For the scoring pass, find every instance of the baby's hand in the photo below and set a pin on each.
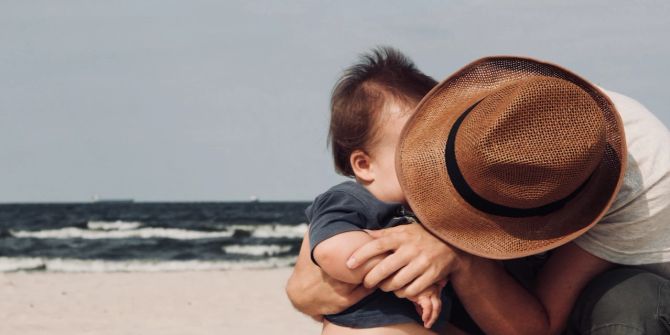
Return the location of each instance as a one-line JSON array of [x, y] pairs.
[[428, 303]]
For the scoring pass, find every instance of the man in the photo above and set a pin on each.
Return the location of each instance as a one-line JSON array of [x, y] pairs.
[[624, 223]]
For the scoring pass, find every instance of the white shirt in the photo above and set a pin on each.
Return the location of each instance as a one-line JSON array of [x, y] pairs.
[[636, 229]]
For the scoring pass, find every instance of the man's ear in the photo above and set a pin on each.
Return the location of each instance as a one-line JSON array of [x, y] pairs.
[[360, 163]]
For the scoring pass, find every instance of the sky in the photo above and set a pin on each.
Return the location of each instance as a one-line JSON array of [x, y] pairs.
[[199, 100]]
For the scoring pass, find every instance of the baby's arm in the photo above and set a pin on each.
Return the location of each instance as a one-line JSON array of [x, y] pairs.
[[332, 255]]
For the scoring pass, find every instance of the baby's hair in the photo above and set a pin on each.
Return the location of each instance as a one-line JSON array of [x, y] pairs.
[[384, 74]]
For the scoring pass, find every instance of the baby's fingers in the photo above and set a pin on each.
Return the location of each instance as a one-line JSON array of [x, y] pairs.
[[435, 310], [426, 310], [426, 315]]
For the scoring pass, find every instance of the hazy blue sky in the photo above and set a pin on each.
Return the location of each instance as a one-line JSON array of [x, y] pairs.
[[221, 100]]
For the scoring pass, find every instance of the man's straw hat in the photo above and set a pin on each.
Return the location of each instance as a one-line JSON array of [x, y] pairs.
[[510, 157]]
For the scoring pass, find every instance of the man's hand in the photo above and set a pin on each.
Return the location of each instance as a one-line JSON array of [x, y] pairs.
[[313, 292], [418, 259]]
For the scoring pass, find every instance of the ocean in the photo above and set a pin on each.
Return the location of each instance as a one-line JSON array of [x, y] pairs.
[[137, 236]]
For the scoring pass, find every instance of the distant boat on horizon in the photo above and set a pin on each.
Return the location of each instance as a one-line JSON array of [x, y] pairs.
[[99, 200]]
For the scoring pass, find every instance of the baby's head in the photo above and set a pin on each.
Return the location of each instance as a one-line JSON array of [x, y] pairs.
[[370, 104]]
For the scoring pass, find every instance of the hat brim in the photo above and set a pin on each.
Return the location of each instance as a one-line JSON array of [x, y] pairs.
[[420, 165]]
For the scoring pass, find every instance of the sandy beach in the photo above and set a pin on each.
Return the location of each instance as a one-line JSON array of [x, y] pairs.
[[223, 302]]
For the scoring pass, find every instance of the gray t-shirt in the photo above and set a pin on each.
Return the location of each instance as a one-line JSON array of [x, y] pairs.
[[636, 229], [350, 207]]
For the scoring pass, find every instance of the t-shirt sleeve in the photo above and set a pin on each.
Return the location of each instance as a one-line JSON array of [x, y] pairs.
[[334, 213], [636, 229]]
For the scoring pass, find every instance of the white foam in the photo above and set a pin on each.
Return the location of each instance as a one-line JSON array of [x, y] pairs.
[[71, 232], [273, 230], [113, 225], [121, 229], [256, 250], [10, 264]]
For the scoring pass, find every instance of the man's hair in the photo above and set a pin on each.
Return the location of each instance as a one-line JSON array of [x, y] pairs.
[[380, 76]]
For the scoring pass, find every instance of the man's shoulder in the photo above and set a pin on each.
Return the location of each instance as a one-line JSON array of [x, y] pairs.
[[637, 119], [647, 139]]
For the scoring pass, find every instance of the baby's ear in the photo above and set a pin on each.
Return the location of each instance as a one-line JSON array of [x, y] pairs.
[[360, 163]]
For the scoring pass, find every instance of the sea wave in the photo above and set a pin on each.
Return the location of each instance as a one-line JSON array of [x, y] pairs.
[[256, 250], [11, 264], [273, 230], [72, 232], [113, 225], [124, 230]]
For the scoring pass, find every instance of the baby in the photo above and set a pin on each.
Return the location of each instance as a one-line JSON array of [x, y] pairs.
[[369, 107]]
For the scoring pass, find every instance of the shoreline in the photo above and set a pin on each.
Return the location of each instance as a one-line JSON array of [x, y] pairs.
[[208, 302]]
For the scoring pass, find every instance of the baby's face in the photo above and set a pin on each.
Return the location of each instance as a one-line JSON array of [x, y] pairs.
[[382, 153]]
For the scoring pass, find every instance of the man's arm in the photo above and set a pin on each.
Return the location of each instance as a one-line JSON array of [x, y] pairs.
[[314, 293], [495, 300], [500, 305]]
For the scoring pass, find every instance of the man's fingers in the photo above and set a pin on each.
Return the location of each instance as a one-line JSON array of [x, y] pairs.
[[369, 250], [384, 269], [385, 240], [416, 287], [402, 277], [377, 233]]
